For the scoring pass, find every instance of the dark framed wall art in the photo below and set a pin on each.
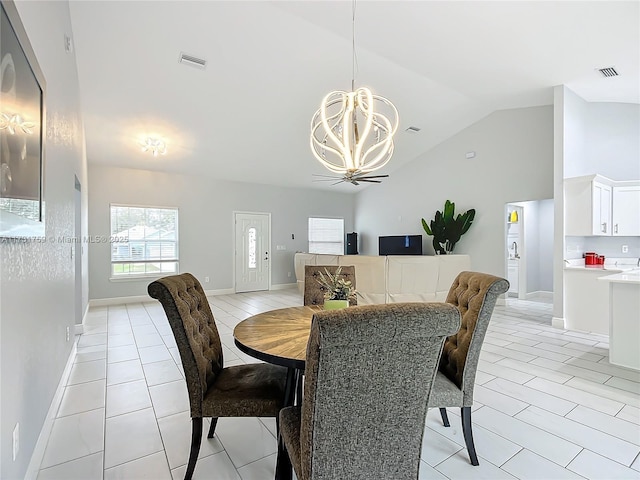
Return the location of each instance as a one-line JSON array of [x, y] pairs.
[[22, 133]]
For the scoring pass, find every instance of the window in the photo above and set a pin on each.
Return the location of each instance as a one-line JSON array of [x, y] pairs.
[[326, 235], [144, 241]]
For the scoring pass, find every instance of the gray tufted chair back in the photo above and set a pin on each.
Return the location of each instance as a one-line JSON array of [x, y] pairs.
[[195, 332], [368, 376]]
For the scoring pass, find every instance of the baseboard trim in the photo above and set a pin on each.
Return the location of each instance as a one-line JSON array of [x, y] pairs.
[[284, 286], [45, 431], [558, 322], [540, 294], [102, 302]]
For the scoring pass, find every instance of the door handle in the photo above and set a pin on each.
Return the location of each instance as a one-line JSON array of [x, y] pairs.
[[615, 228], [604, 227]]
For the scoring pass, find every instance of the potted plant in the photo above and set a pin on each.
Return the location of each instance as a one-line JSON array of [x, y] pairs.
[[338, 290], [447, 229]]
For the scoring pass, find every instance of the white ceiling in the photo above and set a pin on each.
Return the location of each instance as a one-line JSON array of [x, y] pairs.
[[246, 117]]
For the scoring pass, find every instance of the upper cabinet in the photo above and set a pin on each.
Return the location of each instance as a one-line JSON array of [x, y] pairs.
[[626, 211], [596, 205]]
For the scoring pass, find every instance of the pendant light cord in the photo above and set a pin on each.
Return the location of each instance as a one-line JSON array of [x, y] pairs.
[[353, 45]]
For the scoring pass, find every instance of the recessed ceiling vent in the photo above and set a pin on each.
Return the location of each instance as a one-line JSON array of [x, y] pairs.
[[608, 72], [192, 61], [412, 130]]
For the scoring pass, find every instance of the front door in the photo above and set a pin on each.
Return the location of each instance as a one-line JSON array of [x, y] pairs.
[[252, 251]]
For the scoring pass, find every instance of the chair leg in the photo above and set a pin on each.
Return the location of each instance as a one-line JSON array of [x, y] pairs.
[[468, 435], [196, 438], [445, 418], [212, 428], [284, 469]]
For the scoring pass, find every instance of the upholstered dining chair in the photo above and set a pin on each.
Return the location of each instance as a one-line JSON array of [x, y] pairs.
[[368, 374], [475, 295], [253, 390], [314, 292]]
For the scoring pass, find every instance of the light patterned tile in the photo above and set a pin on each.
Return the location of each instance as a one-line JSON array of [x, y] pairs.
[[131, 436], [162, 372], [535, 370], [437, 448], [265, 468], [498, 370], [73, 437], [596, 467], [489, 445], [529, 394], [569, 369], [152, 467], [526, 465], [528, 436], [84, 468], [630, 414], [606, 368], [234, 433], [623, 384], [220, 463], [458, 467], [611, 396], [498, 400], [582, 435], [538, 352], [606, 423], [176, 436], [508, 352], [564, 350]]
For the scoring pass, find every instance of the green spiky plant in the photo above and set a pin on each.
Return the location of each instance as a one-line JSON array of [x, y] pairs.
[[447, 229]]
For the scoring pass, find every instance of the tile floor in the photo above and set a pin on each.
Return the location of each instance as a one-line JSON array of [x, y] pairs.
[[548, 405]]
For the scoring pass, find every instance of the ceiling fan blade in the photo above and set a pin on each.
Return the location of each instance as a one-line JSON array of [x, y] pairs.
[[327, 176], [367, 180], [376, 176]]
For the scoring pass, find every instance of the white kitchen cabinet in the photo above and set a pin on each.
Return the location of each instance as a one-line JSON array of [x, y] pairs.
[[587, 203], [626, 211]]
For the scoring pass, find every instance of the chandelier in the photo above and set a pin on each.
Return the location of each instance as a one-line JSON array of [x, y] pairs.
[[154, 145], [13, 122], [352, 132]]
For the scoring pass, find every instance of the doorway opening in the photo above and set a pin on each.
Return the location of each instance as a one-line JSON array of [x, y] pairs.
[[529, 248]]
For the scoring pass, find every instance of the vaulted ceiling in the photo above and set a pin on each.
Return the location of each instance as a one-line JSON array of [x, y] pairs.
[[246, 116]]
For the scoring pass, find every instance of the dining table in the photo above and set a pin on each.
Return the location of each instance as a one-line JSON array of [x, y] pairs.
[[279, 337]]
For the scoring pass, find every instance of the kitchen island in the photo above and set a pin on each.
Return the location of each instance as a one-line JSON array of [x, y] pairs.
[[624, 318]]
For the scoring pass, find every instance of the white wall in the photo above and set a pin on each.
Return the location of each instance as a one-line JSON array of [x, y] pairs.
[[206, 231], [37, 279], [539, 237], [545, 245], [514, 161]]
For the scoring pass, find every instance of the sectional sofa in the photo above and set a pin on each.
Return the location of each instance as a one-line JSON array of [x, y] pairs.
[[393, 278]]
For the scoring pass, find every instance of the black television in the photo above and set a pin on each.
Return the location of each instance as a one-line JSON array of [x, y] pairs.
[[400, 245]]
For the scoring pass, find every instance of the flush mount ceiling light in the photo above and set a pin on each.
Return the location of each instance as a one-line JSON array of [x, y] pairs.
[[352, 132], [154, 145]]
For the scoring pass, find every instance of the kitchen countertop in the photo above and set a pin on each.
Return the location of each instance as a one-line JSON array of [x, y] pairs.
[[614, 265], [631, 276]]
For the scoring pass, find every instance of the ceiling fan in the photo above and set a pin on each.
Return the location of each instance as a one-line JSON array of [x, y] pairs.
[[351, 177]]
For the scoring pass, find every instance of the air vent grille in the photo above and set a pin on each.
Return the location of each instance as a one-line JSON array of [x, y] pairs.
[[192, 61], [608, 72]]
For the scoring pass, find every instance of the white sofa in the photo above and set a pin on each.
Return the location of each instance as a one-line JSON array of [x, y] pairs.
[[393, 278]]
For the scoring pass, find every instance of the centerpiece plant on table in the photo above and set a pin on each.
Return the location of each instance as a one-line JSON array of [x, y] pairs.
[[338, 291]]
